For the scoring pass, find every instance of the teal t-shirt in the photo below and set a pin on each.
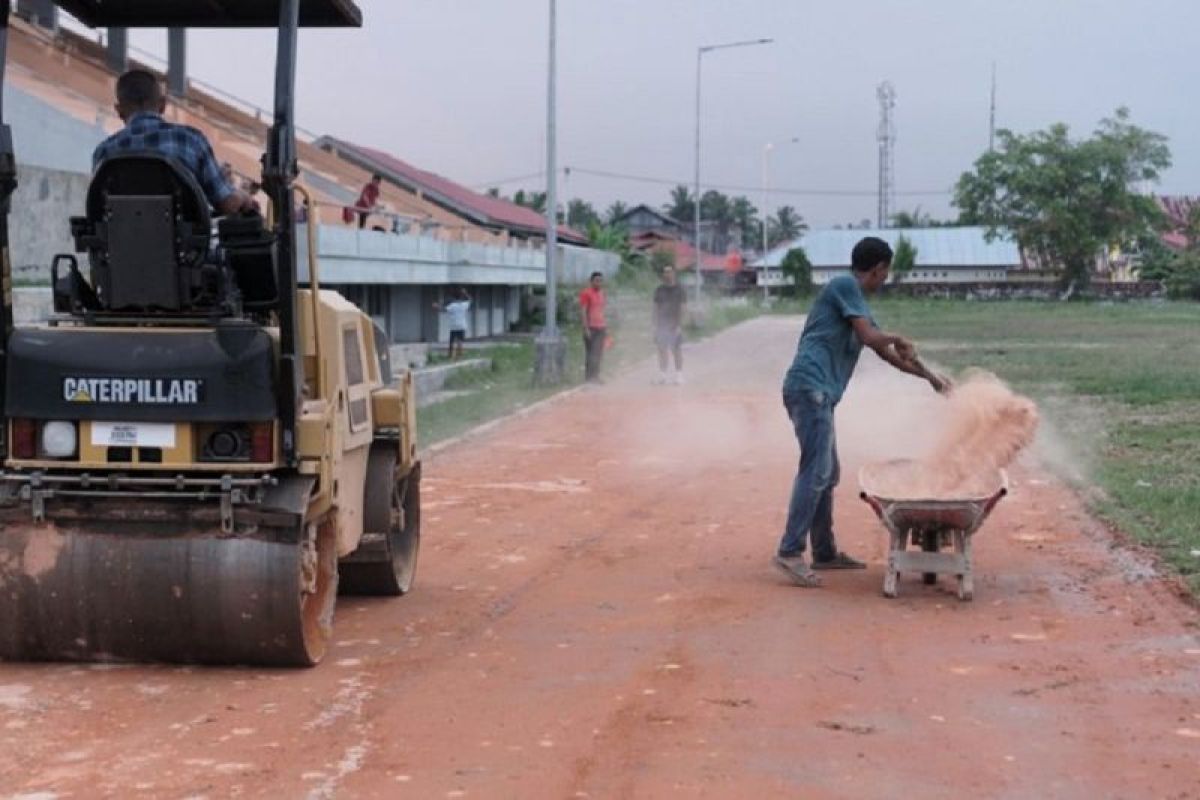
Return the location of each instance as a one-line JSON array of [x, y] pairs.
[[829, 348]]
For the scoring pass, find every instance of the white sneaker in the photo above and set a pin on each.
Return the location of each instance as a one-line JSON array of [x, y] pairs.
[[661, 379], [677, 379]]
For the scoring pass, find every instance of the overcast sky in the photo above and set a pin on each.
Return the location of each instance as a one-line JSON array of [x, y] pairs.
[[458, 87]]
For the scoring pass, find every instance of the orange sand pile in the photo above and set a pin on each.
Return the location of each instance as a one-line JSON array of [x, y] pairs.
[[985, 426]]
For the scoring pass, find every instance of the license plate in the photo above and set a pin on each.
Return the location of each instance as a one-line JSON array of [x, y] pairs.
[[133, 434]]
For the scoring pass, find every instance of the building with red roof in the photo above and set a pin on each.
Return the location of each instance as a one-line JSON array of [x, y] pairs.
[[480, 209]]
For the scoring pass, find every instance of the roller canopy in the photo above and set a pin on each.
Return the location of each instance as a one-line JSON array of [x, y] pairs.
[[208, 13]]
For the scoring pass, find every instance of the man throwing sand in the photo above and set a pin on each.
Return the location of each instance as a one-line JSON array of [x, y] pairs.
[[839, 324]]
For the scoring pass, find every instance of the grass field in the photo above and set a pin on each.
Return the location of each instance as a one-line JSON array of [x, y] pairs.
[[1120, 384]]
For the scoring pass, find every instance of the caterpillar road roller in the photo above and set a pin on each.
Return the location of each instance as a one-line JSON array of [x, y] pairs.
[[201, 446]]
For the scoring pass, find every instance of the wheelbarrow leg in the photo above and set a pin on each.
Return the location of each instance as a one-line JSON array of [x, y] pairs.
[[966, 578], [897, 540]]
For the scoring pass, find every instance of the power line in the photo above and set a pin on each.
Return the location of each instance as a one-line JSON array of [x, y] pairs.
[[515, 179], [732, 188]]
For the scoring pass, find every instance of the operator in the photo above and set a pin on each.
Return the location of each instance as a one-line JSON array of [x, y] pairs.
[[140, 105], [839, 324]]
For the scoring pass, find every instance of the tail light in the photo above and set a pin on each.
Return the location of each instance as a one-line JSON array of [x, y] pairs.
[[262, 442], [24, 438], [252, 442]]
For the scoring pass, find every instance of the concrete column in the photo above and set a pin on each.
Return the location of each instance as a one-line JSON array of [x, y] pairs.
[[40, 12], [177, 62], [118, 49]]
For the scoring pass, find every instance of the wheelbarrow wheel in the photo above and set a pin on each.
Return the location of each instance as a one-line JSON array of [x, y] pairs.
[[930, 544]]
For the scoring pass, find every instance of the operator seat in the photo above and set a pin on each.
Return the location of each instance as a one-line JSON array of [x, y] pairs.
[[148, 235]]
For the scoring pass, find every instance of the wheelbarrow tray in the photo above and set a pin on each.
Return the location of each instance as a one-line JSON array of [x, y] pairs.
[[930, 523]]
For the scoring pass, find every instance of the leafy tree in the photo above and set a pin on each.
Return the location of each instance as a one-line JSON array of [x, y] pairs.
[[493, 191], [904, 259], [581, 214], [682, 206], [615, 212], [785, 226], [798, 269], [1067, 200]]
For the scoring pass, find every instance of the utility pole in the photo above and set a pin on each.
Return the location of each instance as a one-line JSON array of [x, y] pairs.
[[700, 51], [886, 94], [550, 345]]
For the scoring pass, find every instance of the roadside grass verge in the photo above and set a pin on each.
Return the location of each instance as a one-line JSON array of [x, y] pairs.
[[1119, 382], [508, 386]]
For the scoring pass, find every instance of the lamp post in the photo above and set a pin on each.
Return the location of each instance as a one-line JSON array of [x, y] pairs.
[[767, 148], [700, 51], [550, 346]]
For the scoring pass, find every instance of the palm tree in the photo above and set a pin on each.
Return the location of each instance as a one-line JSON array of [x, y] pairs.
[[682, 206], [534, 200], [716, 208], [581, 214], [745, 219], [785, 226]]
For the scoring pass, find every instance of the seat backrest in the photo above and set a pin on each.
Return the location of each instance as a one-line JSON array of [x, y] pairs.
[[147, 233]]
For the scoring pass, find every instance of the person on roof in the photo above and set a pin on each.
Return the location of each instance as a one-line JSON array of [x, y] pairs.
[[140, 105]]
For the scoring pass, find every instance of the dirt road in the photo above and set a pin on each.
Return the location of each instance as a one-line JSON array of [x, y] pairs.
[[596, 617]]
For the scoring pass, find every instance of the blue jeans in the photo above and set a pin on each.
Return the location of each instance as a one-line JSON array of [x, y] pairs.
[[811, 506]]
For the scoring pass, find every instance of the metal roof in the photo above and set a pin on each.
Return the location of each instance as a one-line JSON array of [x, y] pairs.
[[208, 13], [936, 247]]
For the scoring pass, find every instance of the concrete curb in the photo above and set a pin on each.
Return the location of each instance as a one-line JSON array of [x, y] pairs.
[[493, 424], [532, 408]]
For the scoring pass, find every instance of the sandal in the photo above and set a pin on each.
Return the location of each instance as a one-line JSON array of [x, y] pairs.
[[799, 572]]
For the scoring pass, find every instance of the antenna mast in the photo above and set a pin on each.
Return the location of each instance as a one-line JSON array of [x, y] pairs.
[[992, 116], [886, 94]]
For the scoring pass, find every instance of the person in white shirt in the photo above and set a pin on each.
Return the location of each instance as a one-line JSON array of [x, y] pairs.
[[456, 310]]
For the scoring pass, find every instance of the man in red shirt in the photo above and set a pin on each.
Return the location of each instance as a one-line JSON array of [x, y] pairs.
[[367, 201], [595, 330]]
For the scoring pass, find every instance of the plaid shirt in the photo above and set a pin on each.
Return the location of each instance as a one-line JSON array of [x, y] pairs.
[[148, 131]]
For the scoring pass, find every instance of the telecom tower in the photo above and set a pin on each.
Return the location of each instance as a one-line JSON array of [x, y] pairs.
[[887, 156], [992, 113]]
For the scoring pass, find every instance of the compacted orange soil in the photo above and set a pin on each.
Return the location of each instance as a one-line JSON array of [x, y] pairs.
[[595, 616]]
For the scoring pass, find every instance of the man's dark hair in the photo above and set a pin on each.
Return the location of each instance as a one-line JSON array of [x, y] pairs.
[[138, 88], [868, 253], [595, 275], [377, 177]]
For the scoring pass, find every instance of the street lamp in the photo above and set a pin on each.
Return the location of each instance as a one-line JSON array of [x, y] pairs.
[[550, 346], [700, 51], [767, 148]]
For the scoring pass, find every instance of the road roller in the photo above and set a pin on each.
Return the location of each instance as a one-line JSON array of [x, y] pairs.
[[201, 446]]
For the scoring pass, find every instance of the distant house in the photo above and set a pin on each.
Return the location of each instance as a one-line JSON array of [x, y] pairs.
[[644, 219], [1178, 211], [944, 255]]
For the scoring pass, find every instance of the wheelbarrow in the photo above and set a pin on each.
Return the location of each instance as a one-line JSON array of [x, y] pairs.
[[933, 525]]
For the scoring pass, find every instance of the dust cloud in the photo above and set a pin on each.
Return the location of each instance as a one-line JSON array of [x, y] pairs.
[[982, 428]]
